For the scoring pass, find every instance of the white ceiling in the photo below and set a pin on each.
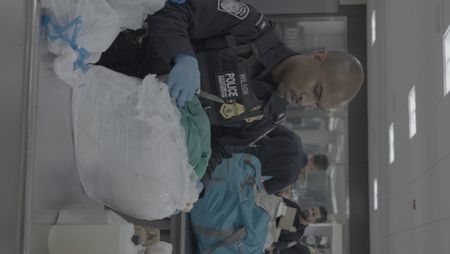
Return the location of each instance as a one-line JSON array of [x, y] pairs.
[[408, 52]]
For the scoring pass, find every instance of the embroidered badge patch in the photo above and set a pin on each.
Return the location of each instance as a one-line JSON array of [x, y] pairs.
[[238, 9]]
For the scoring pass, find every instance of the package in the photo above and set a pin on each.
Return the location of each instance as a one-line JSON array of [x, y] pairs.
[[94, 24], [78, 31], [130, 148]]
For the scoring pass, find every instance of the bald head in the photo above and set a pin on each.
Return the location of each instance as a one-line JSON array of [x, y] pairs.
[[328, 79], [346, 76]]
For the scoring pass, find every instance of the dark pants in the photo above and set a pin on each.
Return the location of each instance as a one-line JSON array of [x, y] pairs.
[[132, 54]]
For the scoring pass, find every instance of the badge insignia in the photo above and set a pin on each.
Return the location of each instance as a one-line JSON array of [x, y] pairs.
[[231, 110], [238, 9]]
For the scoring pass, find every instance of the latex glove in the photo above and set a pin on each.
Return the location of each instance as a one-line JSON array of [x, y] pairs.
[[184, 79], [178, 1]]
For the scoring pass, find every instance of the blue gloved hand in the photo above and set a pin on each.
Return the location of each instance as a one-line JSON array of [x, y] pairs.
[[184, 79], [178, 1]]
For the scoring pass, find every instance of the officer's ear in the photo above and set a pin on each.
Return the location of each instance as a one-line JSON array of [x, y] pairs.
[[320, 56]]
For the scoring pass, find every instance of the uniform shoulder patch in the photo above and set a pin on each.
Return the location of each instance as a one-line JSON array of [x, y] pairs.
[[262, 23], [236, 8]]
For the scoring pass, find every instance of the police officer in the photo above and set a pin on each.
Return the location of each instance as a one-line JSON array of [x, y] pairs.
[[282, 158], [247, 75]]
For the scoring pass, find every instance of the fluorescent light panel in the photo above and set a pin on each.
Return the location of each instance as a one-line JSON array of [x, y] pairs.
[[375, 194], [412, 112], [374, 27], [391, 143], [446, 43]]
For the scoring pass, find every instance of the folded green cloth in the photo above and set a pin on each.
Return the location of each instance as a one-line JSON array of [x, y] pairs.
[[198, 135]]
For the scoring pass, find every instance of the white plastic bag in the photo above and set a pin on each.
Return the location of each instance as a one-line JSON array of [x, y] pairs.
[[98, 25], [132, 13], [78, 31], [130, 147]]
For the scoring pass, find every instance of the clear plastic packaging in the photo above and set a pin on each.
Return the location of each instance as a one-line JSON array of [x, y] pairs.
[[130, 147]]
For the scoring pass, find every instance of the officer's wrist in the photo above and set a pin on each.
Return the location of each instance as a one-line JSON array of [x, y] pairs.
[[184, 57]]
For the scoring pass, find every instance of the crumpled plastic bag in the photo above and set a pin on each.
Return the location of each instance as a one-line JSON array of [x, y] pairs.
[[98, 23], [132, 13], [78, 31], [130, 148]]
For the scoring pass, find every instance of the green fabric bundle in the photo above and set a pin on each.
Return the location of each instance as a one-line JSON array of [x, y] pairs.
[[198, 135]]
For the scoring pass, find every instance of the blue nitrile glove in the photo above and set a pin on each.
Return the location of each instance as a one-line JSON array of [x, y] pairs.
[[184, 79], [177, 1]]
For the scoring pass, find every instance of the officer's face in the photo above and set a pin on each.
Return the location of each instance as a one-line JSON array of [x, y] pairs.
[[302, 87], [303, 82], [307, 83]]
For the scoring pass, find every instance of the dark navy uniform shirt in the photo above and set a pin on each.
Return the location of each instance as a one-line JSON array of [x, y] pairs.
[[183, 29]]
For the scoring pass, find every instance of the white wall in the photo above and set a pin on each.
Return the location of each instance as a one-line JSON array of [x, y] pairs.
[[12, 83]]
